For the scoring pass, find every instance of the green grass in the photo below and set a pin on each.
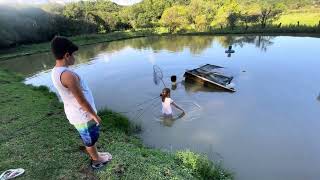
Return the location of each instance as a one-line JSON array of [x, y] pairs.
[[36, 136], [305, 18]]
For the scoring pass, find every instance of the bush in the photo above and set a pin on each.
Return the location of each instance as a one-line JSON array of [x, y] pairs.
[[202, 166]]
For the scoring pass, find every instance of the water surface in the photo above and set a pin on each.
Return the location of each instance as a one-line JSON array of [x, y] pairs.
[[268, 129]]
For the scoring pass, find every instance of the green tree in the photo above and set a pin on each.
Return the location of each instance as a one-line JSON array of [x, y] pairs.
[[201, 13], [249, 19], [131, 15], [201, 23], [224, 11], [270, 11], [175, 17], [75, 10], [232, 19], [249, 14]]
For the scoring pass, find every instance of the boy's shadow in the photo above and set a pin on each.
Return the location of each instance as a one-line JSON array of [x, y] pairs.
[[168, 121]]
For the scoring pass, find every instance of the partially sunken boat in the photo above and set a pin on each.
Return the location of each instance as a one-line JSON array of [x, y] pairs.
[[210, 75]]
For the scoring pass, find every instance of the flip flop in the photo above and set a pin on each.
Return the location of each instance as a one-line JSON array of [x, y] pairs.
[[106, 154], [11, 173], [97, 165]]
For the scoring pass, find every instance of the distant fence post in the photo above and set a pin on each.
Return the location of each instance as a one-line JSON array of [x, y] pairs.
[[298, 23]]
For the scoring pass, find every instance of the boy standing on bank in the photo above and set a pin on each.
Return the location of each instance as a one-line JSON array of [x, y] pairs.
[[77, 98]]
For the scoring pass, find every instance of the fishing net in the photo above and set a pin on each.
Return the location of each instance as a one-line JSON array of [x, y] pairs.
[[157, 75]]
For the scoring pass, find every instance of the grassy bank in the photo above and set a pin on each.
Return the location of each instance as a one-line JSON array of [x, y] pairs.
[[36, 136], [309, 17], [82, 40]]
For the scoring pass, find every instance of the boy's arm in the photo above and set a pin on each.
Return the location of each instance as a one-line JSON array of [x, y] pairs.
[[70, 81], [175, 105]]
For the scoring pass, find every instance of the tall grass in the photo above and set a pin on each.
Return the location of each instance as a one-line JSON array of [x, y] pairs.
[[304, 18]]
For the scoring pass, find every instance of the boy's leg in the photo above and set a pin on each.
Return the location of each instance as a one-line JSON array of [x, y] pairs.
[[89, 133], [96, 156], [93, 152]]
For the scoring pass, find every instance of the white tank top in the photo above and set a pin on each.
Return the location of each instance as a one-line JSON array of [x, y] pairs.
[[166, 106], [73, 110]]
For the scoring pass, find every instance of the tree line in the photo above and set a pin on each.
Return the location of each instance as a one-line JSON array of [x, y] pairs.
[[198, 15], [36, 24]]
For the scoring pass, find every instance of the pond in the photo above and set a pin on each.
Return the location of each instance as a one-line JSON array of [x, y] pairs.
[[267, 129]]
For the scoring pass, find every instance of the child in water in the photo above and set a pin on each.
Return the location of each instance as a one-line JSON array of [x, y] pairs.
[[167, 102]]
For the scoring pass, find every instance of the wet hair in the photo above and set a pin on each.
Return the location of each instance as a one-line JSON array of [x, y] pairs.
[[61, 45], [165, 93], [173, 78]]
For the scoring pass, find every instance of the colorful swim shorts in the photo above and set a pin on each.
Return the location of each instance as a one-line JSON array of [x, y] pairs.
[[89, 132]]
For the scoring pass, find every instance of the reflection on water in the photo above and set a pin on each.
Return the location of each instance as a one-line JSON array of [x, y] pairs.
[[192, 86], [261, 42], [268, 129], [31, 64]]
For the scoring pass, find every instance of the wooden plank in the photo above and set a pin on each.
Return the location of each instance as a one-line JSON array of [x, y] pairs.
[[207, 80]]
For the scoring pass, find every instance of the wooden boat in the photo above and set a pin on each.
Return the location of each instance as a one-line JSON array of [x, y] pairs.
[[210, 75]]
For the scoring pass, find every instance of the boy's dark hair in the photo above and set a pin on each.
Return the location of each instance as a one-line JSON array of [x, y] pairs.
[[61, 45]]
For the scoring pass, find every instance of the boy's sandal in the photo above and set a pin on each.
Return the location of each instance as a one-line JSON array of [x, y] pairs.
[[106, 154], [11, 173], [97, 165]]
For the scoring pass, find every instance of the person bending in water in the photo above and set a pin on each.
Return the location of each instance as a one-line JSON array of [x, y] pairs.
[[166, 104]]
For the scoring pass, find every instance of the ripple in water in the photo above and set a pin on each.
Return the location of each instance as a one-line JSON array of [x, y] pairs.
[[191, 108]]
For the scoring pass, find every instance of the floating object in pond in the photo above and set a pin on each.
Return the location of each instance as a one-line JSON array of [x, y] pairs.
[[230, 50], [210, 75]]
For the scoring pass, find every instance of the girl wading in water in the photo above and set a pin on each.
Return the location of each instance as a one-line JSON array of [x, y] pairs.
[[166, 105]]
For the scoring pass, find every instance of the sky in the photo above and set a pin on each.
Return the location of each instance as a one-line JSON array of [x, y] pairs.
[[121, 2]]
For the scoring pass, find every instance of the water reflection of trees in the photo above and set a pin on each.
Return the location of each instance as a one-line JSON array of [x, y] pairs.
[[155, 43], [170, 43], [261, 42], [27, 65], [196, 44]]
